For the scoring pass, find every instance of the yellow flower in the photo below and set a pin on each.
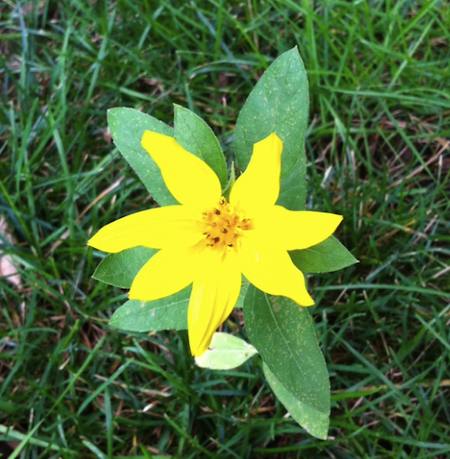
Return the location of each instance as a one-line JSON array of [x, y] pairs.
[[210, 241]]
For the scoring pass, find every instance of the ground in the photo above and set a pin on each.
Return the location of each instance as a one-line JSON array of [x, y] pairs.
[[70, 386]]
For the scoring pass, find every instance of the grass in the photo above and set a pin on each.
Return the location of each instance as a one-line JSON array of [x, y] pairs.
[[377, 144]]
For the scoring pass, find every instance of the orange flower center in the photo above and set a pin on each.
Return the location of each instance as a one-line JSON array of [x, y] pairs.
[[223, 225]]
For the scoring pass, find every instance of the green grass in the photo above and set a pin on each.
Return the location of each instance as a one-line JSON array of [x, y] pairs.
[[377, 144]]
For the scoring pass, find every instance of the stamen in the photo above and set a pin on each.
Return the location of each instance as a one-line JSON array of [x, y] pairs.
[[223, 226]]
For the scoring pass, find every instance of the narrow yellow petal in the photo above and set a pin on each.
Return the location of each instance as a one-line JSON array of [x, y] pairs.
[[188, 178], [155, 228], [272, 271], [298, 229], [166, 273], [259, 185], [215, 291]]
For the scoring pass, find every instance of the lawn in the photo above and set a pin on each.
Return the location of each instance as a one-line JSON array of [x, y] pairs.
[[377, 149]]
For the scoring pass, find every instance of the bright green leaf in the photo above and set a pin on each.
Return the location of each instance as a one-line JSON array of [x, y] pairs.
[[284, 335], [198, 138], [119, 269], [164, 314], [279, 103], [225, 352], [240, 301], [314, 421], [127, 126], [329, 255]]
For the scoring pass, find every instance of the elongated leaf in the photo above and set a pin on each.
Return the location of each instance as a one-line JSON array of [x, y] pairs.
[[198, 138], [279, 103], [165, 314], [119, 269], [283, 333], [225, 352], [329, 255], [240, 301], [127, 126], [314, 421]]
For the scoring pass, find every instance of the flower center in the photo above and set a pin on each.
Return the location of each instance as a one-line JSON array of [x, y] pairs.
[[223, 225]]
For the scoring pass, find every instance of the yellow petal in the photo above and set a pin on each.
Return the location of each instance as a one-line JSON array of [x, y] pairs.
[[188, 178], [155, 228], [298, 229], [215, 291], [166, 273], [259, 185], [272, 271]]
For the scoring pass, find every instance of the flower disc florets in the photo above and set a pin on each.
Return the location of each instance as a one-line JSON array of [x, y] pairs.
[[223, 225]]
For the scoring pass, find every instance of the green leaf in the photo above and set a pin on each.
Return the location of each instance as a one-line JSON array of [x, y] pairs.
[[329, 255], [119, 269], [241, 298], [164, 314], [279, 103], [127, 126], [225, 352], [314, 421], [283, 333], [198, 138]]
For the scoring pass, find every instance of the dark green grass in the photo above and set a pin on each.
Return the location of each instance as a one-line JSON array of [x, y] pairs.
[[379, 78]]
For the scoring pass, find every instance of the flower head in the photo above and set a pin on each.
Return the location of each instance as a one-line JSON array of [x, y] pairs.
[[210, 241]]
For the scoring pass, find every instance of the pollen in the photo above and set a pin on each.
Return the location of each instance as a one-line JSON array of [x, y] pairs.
[[223, 226]]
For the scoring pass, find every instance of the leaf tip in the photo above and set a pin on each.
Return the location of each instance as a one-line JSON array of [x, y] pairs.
[[177, 108]]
